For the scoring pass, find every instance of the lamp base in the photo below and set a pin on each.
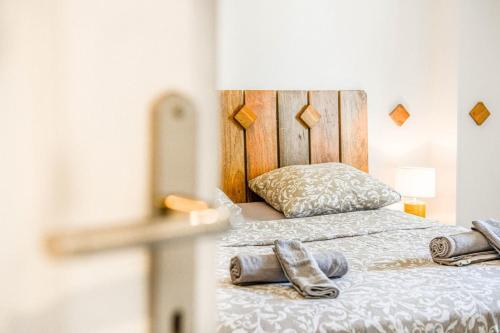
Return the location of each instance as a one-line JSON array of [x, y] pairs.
[[415, 207]]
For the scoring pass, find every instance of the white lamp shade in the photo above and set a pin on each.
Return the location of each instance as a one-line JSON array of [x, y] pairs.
[[416, 182]]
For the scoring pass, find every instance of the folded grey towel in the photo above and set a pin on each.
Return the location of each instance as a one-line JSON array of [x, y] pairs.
[[458, 245], [303, 271], [255, 268], [468, 259], [491, 230]]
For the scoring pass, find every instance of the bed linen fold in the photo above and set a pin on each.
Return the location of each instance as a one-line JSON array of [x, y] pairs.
[[321, 228]]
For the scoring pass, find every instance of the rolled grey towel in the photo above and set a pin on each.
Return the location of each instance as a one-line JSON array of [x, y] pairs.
[[303, 271], [459, 244], [490, 229], [265, 268]]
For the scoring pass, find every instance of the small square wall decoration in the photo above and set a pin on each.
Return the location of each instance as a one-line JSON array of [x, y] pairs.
[[399, 115], [480, 113]]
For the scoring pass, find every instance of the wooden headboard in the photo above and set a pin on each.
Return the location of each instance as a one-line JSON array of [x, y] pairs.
[[263, 130]]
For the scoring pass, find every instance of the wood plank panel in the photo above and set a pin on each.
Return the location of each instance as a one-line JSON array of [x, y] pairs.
[[233, 177], [354, 129], [324, 136], [293, 135], [262, 137]]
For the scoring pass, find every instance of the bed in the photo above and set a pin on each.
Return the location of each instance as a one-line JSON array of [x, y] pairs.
[[392, 284]]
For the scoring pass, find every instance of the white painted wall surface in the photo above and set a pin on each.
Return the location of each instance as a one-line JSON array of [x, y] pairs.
[[479, 80], [77, 80], [398, 51]]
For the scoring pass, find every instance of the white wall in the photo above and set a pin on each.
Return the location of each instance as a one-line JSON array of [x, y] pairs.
[[398, 51], [77, 80], [479, 80]]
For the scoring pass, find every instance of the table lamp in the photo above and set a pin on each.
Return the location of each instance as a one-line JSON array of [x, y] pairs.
[[414, 183]]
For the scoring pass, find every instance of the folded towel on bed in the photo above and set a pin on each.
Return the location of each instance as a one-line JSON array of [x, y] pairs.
[[459, 244], [255, 268], [303, 271], [468, 259], [490, 229], [467, 247]]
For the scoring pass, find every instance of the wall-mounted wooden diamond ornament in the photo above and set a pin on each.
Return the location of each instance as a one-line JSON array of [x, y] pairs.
[[399, 115], [245, 117], [480, 113], [310, 116]]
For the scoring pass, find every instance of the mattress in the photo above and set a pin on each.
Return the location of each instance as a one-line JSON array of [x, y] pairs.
[[392, 285]]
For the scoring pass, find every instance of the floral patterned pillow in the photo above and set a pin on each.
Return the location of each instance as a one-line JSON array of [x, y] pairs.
[[318, 189]]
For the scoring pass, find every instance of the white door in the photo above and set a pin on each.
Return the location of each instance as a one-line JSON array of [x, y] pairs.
[[77, 83]]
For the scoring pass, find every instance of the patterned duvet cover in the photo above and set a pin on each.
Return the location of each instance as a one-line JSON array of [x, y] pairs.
[[392, 284]]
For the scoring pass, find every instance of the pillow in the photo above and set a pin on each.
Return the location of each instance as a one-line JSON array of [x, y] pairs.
[[317, 189], [259, 211], [222, 200]]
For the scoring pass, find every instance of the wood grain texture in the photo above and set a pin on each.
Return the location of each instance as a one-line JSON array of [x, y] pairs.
[[310, 116], [277, 137], [354, 129], [262, 137], [324, 136], [233, 177], [245, 117], [293, 136]]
